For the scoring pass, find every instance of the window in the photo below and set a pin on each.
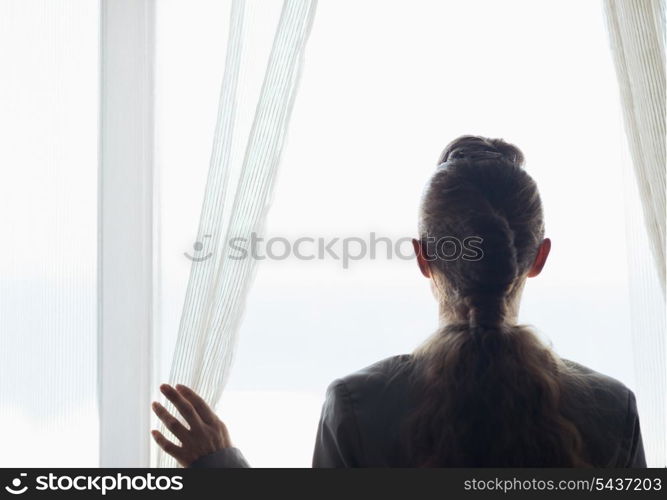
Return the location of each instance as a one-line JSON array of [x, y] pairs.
[[48, 216], [386, 85]]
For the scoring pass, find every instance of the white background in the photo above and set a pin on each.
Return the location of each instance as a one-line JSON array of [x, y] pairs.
[[48, 232], [386, 85]]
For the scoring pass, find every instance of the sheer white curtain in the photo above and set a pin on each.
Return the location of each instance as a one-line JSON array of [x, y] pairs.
[[235, 206], [637, 34]]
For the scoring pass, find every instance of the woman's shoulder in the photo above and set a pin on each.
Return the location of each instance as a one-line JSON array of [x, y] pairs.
[[599, 395], [605, 411], [600, 384], [364, 410], [395, 371], [375, 385], [381, 373]]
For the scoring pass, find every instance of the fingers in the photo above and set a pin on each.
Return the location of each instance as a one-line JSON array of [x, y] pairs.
[[207, 433], [201, 407], [182, 405], [171, 422], [167, 446]]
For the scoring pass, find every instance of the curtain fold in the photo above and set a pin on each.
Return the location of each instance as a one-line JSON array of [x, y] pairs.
[[637, 36], [218, 286]]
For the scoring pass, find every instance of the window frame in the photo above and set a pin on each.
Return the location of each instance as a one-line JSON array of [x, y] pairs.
[[126, 263]]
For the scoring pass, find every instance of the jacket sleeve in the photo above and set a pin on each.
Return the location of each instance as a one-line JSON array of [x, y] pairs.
[[633, 437], [227, 458], [338, 443]]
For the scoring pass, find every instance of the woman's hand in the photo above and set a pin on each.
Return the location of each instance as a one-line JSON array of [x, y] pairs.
[[207, 433]]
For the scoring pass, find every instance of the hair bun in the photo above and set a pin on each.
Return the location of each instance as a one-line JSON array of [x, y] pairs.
[[478, 148]]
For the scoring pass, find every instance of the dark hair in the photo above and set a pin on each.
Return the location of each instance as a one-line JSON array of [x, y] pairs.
[[489, 392]]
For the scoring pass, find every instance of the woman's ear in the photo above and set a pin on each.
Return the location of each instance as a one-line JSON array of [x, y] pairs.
[[540, 258], [421, 259]]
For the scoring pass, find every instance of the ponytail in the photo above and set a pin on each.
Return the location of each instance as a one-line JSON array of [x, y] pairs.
[[491, 397], [489, 393]]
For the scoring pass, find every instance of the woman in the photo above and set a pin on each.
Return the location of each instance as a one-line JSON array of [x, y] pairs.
[[482, 391]]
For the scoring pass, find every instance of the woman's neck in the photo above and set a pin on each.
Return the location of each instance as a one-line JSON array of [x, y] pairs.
[[448, 315]]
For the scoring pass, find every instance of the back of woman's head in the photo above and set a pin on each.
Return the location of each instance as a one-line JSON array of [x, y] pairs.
[[489, 390], [480, 193]]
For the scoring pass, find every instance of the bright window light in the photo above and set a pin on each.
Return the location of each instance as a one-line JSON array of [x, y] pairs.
[[48, 216], [386, 85]]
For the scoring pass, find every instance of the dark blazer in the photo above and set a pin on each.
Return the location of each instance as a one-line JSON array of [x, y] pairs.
[[363, 413]]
